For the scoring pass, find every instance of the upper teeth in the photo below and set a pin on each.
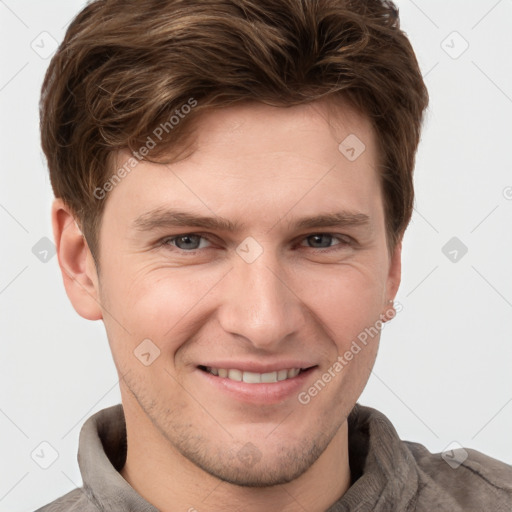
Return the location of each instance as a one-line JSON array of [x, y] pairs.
[[252, 377]]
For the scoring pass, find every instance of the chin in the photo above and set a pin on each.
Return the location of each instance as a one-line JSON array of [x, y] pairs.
[[269, 471], [264, 464]]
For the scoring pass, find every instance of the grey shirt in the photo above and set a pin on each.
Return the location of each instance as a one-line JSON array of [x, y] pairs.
[[388, 474]]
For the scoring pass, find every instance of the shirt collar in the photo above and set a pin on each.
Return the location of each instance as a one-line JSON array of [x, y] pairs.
[[384, 472], [382, 468], [101, 455]]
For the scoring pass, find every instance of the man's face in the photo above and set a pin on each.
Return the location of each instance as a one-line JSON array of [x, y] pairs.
[[287, 266]]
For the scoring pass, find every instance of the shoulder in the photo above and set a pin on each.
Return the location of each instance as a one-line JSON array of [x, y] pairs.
[[475, 481], [73, 501]]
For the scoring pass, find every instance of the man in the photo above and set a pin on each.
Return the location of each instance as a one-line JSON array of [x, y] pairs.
[[233, 180]]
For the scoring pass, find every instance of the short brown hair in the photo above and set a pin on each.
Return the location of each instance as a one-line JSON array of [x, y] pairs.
[[127, 66]]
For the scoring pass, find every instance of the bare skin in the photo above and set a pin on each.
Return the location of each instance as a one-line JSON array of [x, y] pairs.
[[205, 442]]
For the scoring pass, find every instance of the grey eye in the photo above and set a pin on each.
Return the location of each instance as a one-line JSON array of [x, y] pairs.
[[321, 240], [187, 242]]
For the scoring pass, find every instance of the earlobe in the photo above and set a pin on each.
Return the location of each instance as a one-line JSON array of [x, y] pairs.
[[393, 282], [76, 263]]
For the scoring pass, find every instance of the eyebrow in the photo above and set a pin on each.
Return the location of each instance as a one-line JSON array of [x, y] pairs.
[[341, 219], [170, 217]]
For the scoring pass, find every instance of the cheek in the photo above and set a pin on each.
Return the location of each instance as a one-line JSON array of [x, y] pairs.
[[346, 301], [156, 303]]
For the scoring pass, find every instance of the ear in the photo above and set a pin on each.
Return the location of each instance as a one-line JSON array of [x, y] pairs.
[[76, 263], [393, 281]]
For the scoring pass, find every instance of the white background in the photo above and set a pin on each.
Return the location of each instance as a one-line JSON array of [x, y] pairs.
[[444, 368]]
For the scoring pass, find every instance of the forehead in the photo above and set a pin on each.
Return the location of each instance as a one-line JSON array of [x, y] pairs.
[[246, 129], [259, 161]]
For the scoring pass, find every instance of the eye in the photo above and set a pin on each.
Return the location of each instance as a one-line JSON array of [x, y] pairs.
[[187, 242], [325, 240]]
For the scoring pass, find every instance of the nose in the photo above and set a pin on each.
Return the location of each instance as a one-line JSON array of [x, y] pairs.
[[260, 305]]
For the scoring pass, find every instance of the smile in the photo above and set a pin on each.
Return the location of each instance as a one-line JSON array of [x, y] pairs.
[[253, 377]]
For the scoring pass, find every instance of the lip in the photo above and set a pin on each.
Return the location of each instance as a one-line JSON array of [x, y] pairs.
[[251, 366], [262, 393]]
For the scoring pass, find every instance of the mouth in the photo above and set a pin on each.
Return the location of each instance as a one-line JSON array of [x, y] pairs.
[[254, 377], [255, 383]]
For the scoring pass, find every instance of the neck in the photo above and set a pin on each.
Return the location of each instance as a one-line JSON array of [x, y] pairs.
[[171, 483]]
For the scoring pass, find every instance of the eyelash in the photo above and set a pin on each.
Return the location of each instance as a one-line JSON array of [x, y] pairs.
[[344, 241]]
